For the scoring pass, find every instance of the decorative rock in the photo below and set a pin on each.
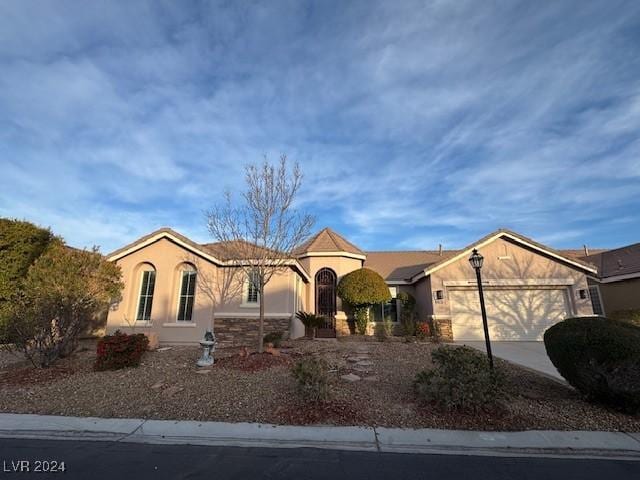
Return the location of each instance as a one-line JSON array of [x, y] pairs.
[[373, 378], [203, 372], [171, 391], [361, 369], [164, 349], [350, 377], [157, 385]]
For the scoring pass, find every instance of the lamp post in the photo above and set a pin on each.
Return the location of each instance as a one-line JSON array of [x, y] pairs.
[[476, 262]]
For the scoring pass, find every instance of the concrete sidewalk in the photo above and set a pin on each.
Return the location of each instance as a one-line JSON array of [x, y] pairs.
[[537, 443]]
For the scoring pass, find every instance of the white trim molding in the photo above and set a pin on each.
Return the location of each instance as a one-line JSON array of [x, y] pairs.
[[512, 282], [180, 325], [251, 315], [619, 278], [357, 256]]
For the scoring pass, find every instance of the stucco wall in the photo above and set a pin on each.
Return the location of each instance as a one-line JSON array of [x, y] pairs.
[[624, 295], [340, 265], [506, 261], [219, 287]]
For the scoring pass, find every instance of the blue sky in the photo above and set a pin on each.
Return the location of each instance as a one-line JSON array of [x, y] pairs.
[[415, 123]]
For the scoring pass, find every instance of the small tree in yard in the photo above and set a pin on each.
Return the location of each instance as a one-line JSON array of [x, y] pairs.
[[261, 232], [59, 298], [361, 289]]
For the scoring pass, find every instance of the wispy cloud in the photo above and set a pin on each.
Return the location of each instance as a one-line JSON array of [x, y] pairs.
[[416, 123]]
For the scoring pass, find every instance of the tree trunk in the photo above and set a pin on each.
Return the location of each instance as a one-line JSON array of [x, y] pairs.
[[261, 320]]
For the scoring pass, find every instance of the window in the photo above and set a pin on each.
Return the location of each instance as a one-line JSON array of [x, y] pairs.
[[187, 294], [387, 311], [252, 287], [594, 293], [146, 296]]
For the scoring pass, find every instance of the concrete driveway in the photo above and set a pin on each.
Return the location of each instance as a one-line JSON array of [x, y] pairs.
[[531, 355]]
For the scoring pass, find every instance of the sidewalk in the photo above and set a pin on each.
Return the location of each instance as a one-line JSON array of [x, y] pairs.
[[529, 443]]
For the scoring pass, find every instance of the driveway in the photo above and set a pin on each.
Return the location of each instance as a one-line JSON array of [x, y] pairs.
[[531, 355]]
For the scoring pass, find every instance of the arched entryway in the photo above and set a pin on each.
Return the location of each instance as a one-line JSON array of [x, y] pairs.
[[326, 281]]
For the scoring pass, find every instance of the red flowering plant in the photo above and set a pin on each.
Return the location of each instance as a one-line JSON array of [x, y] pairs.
[[120, 351], [423, 330]]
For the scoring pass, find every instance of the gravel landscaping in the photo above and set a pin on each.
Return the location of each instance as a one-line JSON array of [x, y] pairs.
[[370, 385]]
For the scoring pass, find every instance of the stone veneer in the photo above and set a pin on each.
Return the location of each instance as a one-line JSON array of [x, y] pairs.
[[443, 326], [241, 332]]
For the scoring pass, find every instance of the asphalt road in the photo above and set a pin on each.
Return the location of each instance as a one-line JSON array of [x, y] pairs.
[[120, 461]]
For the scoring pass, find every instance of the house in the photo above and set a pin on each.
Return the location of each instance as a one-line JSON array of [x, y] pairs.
[[617, 285], [178, 288]]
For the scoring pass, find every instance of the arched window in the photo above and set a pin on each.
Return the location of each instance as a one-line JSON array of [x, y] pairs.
[[188, 278], [145, 299]]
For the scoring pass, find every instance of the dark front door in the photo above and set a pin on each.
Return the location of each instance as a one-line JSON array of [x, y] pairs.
[[326, 301]]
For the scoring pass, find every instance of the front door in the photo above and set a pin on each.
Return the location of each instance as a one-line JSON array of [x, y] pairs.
[[326, 301]]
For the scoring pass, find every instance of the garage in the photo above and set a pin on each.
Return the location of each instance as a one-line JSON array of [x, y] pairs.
[[513, 313]]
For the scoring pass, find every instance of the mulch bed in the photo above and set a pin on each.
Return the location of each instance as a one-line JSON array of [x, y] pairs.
[[254, 362]]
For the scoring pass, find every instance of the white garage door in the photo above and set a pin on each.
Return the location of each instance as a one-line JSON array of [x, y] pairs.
[[513, 314]]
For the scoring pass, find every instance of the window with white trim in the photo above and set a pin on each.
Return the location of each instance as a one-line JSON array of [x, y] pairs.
[[187, 295], [596, 304], [145, 301], [252, 291]]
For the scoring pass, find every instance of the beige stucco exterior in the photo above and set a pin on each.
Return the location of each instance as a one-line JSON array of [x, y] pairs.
[[509, 264], [218, 295]]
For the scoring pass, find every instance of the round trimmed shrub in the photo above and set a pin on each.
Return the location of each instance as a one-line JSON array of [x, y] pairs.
[[598, 357], [361, 289]]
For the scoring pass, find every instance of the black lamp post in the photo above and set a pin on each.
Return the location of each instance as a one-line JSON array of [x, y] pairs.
[[476, 262]]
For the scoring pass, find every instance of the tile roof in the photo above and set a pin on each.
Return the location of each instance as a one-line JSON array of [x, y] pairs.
[[619, 261], [326, 240], [402, 265]]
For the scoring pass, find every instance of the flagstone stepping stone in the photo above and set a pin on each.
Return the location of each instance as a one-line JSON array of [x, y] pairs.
[[361, 369], [351, 377], [372, 378], [164, 349], [158, 385], [356, 359], [364, 363], [203, 372], [171, 391]]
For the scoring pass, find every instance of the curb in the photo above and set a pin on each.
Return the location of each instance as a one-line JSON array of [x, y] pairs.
[[548, 443]]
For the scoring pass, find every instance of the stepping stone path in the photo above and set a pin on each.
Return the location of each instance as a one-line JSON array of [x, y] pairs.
[[350, 377], [361, 364]]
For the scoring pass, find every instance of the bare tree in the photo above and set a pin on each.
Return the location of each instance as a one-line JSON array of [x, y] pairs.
[[219, 284], [260, 233]]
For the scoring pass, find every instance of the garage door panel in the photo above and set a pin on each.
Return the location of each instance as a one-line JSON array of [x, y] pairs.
[[513, 314]]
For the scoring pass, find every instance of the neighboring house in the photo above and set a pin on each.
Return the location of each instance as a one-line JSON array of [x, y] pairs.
[[617, 285], [177, 288]]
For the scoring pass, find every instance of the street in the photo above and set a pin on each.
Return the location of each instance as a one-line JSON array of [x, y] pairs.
[[110, 460]]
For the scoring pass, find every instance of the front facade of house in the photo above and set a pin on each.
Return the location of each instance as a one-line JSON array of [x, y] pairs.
[[178, 289]]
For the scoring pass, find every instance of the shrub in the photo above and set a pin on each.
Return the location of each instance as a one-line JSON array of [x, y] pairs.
[[459, 380], [361, 316], [21, 243], [274, 338], [598, 357], [407, 313], [312, 381], [384, 329], [422, 330], [360, 289], [311, 321], [631, 316], [120, 350], [61, 296]]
